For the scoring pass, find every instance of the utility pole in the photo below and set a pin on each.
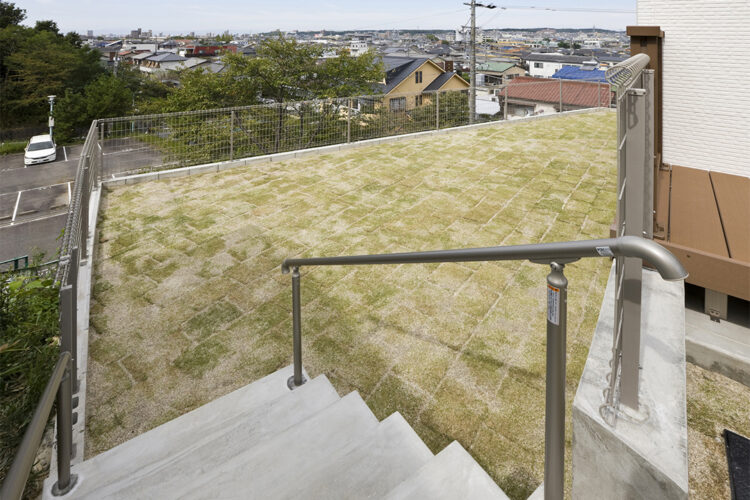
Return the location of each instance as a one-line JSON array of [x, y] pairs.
[[473, 58]]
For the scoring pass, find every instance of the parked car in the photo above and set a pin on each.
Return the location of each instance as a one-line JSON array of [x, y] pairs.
[[41, 149]]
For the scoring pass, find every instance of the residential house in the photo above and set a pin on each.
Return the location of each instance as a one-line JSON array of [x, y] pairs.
[[587, 72], [413, 76], [498, 72], [153, 63], [529, 96], [207, 50], [545, 65]]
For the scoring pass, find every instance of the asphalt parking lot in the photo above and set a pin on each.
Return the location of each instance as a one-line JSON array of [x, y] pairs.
[[34, 200]]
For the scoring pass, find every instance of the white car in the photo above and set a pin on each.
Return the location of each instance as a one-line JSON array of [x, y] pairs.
[[41, 149]]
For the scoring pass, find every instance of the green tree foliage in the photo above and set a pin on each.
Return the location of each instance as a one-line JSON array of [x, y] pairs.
[[10, 15], [107, 96], [28, 351], [37, 62], [200, 89]]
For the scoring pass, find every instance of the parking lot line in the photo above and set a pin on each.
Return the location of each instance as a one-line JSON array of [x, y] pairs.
[[65, 153], [15, 209]]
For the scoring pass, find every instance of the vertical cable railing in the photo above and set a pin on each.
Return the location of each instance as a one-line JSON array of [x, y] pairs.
[[634, 99]]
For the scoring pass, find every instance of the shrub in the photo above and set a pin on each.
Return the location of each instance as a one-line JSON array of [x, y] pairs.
[[28, 352], [7, 148]]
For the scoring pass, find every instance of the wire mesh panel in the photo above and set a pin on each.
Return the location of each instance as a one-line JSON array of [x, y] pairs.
[[174, 140]]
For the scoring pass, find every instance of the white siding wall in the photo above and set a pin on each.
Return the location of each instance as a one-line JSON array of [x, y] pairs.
[[706, 81], [548, 69]]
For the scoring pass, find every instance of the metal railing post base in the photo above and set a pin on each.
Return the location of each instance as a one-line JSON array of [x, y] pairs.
[[290, 382], [58, 492]]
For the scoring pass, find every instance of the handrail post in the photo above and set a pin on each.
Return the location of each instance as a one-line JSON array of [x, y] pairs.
[[297, 379], [554, 423], [65, 480]]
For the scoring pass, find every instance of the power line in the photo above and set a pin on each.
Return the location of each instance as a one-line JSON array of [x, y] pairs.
[[565, 9], [401, 20]]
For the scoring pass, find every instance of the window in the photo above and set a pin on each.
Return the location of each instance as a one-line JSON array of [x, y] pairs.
[[538, 65], [398, 103], [418, 77], [418, 100]]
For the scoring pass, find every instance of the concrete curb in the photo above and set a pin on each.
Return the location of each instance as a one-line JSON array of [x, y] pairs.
[[300, 153]]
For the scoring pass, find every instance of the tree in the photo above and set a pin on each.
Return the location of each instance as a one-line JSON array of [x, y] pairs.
[[10, 15], [36, 62], [44, 63], [107, 96], [50, 26]]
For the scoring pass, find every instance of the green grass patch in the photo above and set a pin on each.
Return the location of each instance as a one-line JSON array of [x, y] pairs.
[[196, 361]]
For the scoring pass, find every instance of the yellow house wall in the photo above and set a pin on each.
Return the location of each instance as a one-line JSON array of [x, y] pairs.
[[409, 86], [455, 83]]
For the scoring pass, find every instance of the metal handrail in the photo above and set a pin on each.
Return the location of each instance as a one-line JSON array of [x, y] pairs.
[[15, 261], [556, 255], [59, 386], [624, 74], [663, 261]]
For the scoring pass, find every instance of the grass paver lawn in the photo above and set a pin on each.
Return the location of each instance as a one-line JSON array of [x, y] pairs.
[[189, 302]]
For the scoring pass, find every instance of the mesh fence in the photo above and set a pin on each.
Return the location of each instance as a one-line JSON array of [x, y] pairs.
[[174, 140], [77, 223]]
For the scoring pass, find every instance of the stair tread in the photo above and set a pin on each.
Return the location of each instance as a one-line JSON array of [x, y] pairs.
[[267, 469], [238, 420], [451, 474], [370, 470]]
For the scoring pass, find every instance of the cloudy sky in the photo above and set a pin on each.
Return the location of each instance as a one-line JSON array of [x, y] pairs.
[[251, 16]]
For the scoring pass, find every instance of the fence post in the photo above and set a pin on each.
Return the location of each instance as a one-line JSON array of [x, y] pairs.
[[437, 110], [85, 196], [65, 480], [231, 136], [561, 108], [554, 421], [505, 104], [68, 326], [349, 121], [635, 161]]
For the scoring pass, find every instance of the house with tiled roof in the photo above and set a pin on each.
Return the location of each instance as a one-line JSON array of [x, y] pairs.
[[498, 72], [407, 75], [528, 96]]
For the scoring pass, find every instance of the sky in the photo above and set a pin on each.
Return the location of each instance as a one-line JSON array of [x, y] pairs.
[[253, 16]]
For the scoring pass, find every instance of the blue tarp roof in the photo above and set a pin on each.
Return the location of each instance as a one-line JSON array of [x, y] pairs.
[[576, 73]]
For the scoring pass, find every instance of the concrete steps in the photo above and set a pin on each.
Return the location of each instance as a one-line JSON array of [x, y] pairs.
[[266, 442]]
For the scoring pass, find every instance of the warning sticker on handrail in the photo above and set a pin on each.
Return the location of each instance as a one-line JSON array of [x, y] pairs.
[[605, 251], [553, 305]]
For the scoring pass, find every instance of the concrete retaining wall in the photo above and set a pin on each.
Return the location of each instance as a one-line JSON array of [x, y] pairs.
[[644, 453]]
